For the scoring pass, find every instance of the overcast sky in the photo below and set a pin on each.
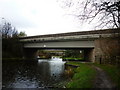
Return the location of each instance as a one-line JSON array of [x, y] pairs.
[[38, 17]]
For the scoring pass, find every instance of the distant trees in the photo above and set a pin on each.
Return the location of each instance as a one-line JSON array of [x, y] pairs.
[[11, 47], [44, 54], [22, 34], [8, 31], [74, 53]]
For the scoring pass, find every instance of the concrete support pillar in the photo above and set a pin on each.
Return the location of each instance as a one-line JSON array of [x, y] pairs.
[[89, 55], [30, 53]]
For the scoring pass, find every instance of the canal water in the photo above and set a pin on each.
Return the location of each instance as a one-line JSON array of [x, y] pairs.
[[32, 74]]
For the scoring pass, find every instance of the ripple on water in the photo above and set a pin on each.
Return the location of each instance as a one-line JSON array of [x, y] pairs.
[[33, 75]]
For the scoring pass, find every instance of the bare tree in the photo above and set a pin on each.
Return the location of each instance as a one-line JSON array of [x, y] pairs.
[[8, 31], [106, 13]]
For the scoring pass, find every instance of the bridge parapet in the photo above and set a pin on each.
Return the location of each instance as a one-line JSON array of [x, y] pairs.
[[85, 35], [62, 38]]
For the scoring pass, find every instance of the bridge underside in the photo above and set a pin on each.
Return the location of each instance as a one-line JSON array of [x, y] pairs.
[[31, 53], [30, 49], [61, 44]]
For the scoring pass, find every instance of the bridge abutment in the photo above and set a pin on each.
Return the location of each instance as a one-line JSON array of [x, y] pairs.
[[30, 53], [89, 55]]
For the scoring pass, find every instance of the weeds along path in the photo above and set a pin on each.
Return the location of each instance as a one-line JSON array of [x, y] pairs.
[[102, 80]]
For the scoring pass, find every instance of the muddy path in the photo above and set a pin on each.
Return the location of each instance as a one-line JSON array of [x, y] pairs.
[[102, 80]]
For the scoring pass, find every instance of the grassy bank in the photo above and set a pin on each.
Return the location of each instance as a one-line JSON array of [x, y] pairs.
[[71, 58], [112, 71], [83, 77]]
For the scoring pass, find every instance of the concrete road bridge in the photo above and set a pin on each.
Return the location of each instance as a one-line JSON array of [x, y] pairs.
[[84, 40]]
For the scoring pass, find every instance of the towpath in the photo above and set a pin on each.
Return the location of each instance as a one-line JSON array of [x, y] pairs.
[[102, 80]]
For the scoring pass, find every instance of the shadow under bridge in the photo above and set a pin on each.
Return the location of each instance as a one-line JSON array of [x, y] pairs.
[[31, 49]]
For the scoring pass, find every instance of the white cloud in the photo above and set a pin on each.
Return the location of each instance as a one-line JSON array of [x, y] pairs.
[[37, 17]]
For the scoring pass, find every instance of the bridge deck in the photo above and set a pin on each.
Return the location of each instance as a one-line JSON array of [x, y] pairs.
[[106, 31], [83, 36]]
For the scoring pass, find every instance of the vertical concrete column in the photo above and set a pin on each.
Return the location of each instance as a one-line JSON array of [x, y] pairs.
[[30, 53], [92, 55], [98, 50]]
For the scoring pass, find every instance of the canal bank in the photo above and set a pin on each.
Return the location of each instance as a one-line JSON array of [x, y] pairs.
[[89, 75], [54, 73], [32, 74], [83, 76]]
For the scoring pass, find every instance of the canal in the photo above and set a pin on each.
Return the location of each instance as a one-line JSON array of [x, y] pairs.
[[32, 74]]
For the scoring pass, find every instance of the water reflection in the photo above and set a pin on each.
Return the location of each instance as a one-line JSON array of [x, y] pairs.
[[56, 67], [31, 74]]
